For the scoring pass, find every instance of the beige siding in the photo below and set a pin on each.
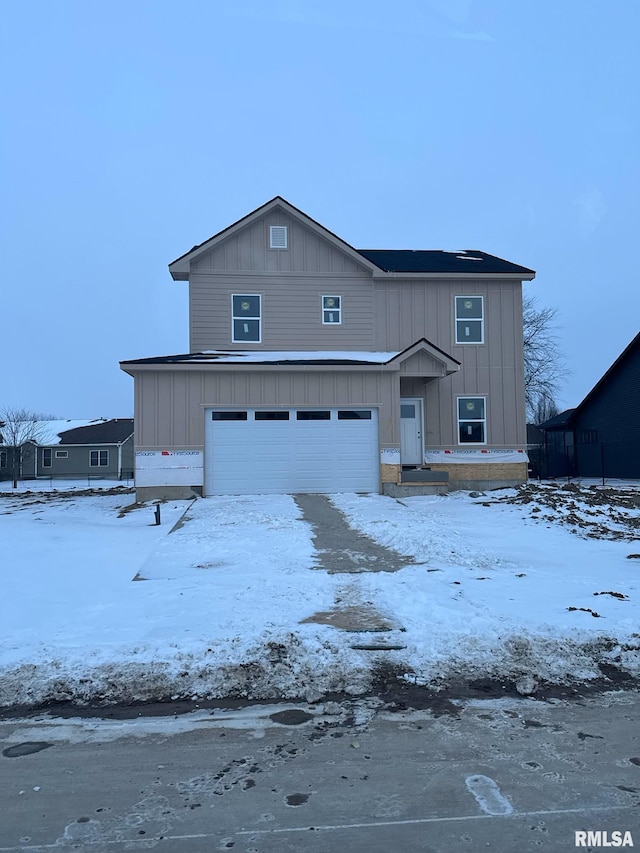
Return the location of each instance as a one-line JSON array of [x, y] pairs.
[[291, 282], [247, 250], [407, 310], [422, 364], [291, 312], [162, 422]]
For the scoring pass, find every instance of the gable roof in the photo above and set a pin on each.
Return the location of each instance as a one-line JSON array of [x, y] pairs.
[[450, 363], [114, 431], [179, 268], [418, 261], [48, 432], [565, 419], [634, 346], [437, 261]]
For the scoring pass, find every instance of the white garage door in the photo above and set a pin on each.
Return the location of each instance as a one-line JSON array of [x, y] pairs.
[[281, 451]]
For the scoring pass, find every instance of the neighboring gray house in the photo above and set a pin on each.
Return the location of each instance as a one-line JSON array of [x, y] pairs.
[[317, 367], [601, 436], [75, 449]]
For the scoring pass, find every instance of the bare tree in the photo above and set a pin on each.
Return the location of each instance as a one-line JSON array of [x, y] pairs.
[[544, 366], [545, 409], [18, 427]]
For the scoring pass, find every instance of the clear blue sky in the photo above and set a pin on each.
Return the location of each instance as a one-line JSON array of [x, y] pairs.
[[132, 129]]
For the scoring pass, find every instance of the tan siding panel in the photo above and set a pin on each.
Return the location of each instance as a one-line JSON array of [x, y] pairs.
[[291, 309], [157, 394]]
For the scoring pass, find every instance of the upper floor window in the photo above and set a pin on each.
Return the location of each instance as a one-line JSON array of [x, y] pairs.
[[278, 237], [246, 319], [469, 320], [98, 458], [46, 457], [472, 420], [331, 309]]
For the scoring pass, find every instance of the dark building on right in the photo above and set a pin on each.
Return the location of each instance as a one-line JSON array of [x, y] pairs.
[[601, 436]]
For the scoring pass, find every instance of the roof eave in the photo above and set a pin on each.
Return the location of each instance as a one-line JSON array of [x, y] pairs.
[[261, 367], [511, 276]]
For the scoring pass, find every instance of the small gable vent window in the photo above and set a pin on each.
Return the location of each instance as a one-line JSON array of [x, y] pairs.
[[278, 237]]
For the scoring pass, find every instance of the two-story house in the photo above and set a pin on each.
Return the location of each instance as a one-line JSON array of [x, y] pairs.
[[317, 367]]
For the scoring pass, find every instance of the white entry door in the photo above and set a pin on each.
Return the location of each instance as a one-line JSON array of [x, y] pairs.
[[411, 446]]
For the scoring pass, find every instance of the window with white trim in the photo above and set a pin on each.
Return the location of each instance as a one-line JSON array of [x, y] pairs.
[[246, 318], [278, 237], [469, 320], [98, 458], [331, 310], [46, 457], [62, 454], [472, 420]]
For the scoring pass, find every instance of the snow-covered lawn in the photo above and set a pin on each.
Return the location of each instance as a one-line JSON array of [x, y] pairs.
[[536, 582]]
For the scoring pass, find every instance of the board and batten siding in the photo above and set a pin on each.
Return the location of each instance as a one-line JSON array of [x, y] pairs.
[[170, 404], [613, 414], [408, 309], [291, 311], [248, 251]]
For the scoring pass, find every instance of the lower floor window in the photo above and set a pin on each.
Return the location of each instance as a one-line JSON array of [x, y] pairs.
[[46, 457], [3, 458], [98, 458], [472, 420]]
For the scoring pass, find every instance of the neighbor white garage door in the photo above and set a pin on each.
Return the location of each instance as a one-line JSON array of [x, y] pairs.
[[280, 451]]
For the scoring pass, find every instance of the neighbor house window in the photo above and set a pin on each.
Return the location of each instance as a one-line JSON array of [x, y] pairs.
[[472, 420], [98, 458], [3, 458], [62, 454], [278, 237], [469, 320], [246, 313], [331, 310], [46, 457], [590, 436]]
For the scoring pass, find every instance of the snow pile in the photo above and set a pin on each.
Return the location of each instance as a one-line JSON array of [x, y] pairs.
[[101, 605]]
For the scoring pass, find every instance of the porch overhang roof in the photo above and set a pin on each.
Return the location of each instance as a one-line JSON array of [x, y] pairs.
[[294, 360]]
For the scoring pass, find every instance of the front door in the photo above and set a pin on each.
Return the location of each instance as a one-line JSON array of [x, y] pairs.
[[411, 447]]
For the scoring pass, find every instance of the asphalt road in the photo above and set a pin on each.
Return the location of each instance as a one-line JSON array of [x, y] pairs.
[[504, 775]]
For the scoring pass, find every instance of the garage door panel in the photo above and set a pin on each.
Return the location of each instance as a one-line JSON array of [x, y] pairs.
[[315, 450]]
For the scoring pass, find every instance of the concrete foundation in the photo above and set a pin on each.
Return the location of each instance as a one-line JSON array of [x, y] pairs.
[[167, 493]]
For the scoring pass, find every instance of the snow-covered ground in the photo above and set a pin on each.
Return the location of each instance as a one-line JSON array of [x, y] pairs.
[[99, 604]]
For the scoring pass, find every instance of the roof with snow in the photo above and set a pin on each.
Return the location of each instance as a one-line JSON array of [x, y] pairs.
[[439, 261], [72, 431], [327, 357], [113, 431]]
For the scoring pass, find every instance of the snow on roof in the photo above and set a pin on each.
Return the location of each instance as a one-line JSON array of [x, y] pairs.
[[253, 357], [48, 432]]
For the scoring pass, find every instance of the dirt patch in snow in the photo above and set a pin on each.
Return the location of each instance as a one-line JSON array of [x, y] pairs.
[[356, 618], [593, 512]]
